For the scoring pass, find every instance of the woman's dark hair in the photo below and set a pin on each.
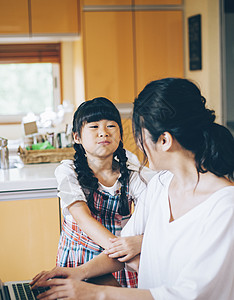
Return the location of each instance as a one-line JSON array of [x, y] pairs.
[[176, 106], [93, 111]]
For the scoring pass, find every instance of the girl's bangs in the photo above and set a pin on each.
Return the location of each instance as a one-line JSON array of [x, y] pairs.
[[95, 114]]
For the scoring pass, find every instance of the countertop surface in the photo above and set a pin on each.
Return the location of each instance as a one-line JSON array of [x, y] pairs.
[[28, 181]]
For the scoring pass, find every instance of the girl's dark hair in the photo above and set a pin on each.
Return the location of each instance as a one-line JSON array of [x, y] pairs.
[[93, 111], [176, 105]]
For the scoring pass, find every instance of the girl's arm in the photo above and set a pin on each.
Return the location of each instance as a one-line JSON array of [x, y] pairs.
[[94, 229], [128, 247], [73, 202]]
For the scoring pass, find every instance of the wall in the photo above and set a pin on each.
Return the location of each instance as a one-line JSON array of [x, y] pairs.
[[209, 78], [67, 65], [79, 93], [11, 132]]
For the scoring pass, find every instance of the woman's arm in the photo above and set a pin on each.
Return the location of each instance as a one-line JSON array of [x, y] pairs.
[[66, 282], [97, 266], [71, 289]]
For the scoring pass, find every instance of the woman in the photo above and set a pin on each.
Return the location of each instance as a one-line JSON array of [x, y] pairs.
[[187, 216]]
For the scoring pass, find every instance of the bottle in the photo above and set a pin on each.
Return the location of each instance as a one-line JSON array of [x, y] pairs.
[[4, 153]]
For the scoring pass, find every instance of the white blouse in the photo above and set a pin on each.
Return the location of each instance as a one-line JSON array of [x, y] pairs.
[[191, 257], [70, 191]]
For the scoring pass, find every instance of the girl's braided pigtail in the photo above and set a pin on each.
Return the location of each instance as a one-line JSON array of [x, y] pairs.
[[85, 176]]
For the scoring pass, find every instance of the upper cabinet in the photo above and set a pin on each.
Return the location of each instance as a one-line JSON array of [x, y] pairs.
[[39, 17], [130, 2], [126, 49], [54, 17], [14, 17], [158, 2], [108, 55], [107, 2], [159, 53]]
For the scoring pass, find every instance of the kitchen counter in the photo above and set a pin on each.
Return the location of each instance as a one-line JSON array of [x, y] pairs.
[[28, 182]]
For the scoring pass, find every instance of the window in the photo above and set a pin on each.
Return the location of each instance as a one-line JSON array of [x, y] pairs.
[[29, 80]]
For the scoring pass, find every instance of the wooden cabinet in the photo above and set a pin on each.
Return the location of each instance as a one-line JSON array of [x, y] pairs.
[[54, 17], [129, 2], [120, 57], [158, 2], [107, 2], [39, 17], [159, 45], [128, 138], [108, 55], [125, 50], [29, 231], [14, 18]]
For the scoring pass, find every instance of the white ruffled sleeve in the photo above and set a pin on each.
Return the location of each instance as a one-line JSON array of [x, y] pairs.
[[135, 165], [69, 189]]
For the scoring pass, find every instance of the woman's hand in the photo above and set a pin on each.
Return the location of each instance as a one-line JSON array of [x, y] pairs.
[[69, 288], [124, 248], [45, 277]]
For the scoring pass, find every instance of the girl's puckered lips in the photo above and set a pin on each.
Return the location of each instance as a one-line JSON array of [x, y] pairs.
[[104, 143]]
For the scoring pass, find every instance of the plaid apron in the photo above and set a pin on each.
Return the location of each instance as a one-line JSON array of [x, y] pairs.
[[76, 248]]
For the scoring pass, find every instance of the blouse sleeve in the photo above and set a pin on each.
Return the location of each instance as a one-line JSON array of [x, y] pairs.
[[137, 222], [138, 182], [69, 189], [209, 274]]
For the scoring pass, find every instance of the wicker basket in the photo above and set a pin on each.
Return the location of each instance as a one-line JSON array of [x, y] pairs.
[[45, 156]]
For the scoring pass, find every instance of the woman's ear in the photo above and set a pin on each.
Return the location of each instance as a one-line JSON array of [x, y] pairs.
[[76, 138], [166, 141]]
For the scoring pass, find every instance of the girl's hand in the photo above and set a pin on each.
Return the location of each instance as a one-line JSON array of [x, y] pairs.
[[124, 248], [133, 264], [42, 278]]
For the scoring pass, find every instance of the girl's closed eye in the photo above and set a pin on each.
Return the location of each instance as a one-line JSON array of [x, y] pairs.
[[93, 126]]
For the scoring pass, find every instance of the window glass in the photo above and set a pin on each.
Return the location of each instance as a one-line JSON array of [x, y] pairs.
[[26, 88]]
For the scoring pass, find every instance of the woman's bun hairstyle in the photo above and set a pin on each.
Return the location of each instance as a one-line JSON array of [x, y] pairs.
[[176, 106]]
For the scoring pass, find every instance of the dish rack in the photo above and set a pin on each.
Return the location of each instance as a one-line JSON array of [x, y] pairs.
[[45, 156]]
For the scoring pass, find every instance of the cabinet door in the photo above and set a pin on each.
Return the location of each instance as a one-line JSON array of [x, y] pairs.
[[158, 2], [14, 17], [129, 140], [54, 17], [29, 231], [108, 59], [159, 45], [107, 2]]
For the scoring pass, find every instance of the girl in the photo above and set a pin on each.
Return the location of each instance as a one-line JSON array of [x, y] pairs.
[[98, 189], [187, 216]]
